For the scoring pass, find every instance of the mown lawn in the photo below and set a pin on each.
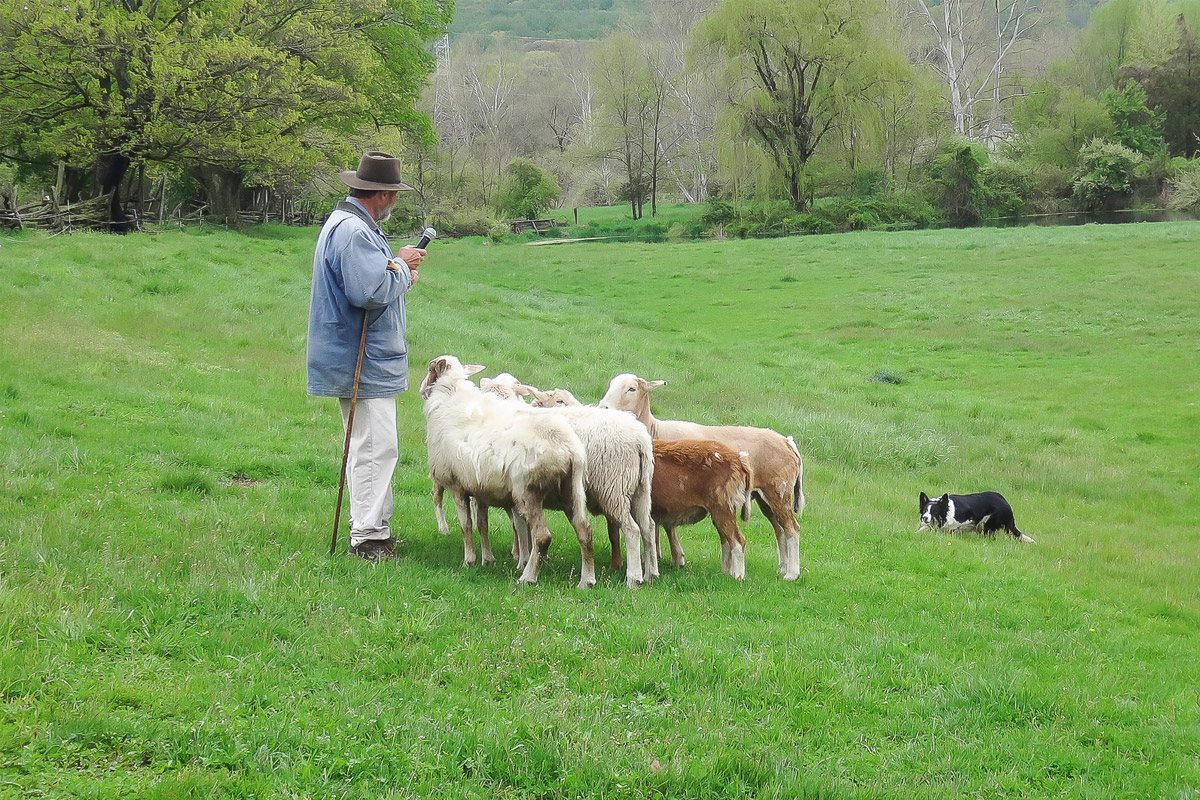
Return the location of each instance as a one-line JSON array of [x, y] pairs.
[[171, 624]]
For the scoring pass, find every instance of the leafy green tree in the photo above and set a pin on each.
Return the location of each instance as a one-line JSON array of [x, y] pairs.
[[527, 191], [796, 68], [227, 90], [1138, 127], [1054, 120], [1174, 87]]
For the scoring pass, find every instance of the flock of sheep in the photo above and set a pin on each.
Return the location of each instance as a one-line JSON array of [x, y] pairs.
[[489, 447]]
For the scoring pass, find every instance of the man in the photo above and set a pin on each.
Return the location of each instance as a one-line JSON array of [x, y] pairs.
[[355, 273]]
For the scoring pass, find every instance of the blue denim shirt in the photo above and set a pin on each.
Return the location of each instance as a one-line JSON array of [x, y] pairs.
[[350, 278]]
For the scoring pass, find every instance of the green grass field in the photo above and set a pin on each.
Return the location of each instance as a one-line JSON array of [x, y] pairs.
[[171, 624]]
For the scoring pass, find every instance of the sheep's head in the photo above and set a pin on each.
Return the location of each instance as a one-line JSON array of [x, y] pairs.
[[446, 370], [504, 385], [628, 392], [555, 398]]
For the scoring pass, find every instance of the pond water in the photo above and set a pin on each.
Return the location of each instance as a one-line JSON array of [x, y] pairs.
[[1086, 217]]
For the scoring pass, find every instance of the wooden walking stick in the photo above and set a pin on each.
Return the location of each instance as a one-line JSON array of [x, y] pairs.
[[337, 514]]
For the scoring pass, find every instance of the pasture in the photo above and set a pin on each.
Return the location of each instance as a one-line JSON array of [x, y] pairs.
[[171, 624]]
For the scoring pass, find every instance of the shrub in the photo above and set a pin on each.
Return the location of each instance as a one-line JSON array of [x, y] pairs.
[[1184, 187], [869, 182], [1105, 175], [1005, 189], [497, 232], [718, 212], [958, 189], [528, 190], [451, 221]]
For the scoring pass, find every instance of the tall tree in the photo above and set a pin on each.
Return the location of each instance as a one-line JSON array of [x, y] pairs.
[[796, 66], [1173, 87], [974, 41], [630, 105], [225, 89]]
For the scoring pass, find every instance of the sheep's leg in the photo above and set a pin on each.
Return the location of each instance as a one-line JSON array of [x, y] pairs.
[[521, 541], [481, 523], [639, 509], [733, 544], [530, 508], [583, 530], [634, 571], [462, 504], [677, 559], [650, 552], [516, 543], [439, 513], [777, 510], [614, 539]]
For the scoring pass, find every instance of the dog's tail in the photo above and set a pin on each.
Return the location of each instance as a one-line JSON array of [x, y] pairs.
[[1020, 536]]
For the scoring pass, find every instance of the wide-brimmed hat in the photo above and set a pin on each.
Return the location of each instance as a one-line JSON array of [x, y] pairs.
[[376, 170]]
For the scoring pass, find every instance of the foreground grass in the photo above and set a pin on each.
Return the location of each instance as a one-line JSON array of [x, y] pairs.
[[172, 626]]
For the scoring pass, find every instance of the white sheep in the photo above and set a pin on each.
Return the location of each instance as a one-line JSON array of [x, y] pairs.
[[502, 386], [506, 455], [619, 478], [776, 469]]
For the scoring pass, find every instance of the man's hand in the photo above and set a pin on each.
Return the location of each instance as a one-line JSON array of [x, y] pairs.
[[412, 256]]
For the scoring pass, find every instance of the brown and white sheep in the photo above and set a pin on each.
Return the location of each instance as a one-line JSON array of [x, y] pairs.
[[695, 478], [776, 469]]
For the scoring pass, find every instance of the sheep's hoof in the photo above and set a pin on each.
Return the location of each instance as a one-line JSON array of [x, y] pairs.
[[586, 584], [791, 576], [616, 563], [469, 562], [527, 581], [488, 560], [681, 561]]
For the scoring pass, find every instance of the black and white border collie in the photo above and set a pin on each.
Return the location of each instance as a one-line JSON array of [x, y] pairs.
[[986, 512]]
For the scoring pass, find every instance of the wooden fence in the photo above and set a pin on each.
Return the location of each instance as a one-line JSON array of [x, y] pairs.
[[93, 214]]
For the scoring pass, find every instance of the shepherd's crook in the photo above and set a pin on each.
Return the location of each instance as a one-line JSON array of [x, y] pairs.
[[337, 514]]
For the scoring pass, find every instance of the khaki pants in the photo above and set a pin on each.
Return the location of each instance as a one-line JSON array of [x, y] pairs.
[[374, 452]]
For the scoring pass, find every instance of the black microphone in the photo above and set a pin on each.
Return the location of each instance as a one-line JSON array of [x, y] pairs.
[[427, 236]]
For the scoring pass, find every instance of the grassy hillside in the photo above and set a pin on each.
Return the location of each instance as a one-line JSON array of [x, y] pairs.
[[172, 626], [564, 19]]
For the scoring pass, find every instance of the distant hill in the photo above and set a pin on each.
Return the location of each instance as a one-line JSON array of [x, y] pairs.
[[558, 19]]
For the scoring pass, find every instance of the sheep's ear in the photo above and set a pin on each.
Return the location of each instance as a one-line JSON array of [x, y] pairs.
[[486, 383], [437, 368], [522, 390], [650, 385], [540, 397], [473, 368]]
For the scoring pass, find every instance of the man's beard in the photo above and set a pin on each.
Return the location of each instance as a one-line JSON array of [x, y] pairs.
[[387, 212]]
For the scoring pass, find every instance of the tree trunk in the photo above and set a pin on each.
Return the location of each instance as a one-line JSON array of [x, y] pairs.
[[223, 187], [110, 173]]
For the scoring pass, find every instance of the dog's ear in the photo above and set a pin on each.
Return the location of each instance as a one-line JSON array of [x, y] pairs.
[[924, 501], [944, 499]]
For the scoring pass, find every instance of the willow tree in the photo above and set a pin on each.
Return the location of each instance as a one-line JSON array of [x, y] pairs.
[[797, 70]]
